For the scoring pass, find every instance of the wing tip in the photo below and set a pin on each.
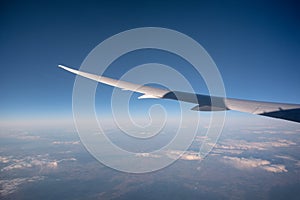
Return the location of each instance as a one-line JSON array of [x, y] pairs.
[[62, 66], [68, 69]]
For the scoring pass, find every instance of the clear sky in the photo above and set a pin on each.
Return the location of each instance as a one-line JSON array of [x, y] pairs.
[[255, 44]]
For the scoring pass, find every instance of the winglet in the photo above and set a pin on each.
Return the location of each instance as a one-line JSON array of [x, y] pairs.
[[73, 71], [61, 66], [64, 67]]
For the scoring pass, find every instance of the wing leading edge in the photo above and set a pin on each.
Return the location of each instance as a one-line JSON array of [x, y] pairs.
[[290, 112]]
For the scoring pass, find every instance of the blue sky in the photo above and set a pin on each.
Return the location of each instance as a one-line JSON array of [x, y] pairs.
[[255, 44]]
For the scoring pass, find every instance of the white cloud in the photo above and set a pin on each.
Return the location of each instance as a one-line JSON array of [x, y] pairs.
[[249, 163], [265, 132], [41, 161], [174, 154], [275, 168], [274, 129], [28, 137], [21, 135], [242, 145], [184, 155], [289, 158], [67, 159], [291, 132], [66, 142], [218, 151], [285, 157], [147, 155], [9, 186], [190, 156], [5, 159]]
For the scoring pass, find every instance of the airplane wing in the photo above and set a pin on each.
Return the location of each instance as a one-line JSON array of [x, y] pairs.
[[290, 112]]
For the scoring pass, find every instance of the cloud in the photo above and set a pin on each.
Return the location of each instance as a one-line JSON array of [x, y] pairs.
[[249, 163], [291, 132], [286, 157], [173, 154], [66, 142], [41, 161], [289, 158], [5, 159], [184, 155], [28, 137], [265, 132], [238, 146], [21, 135], [218, 151], [11, 185], [190, 156], [147, 155], [275, 168], [274, 129]]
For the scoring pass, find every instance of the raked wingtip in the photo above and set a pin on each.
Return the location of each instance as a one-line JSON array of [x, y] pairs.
[[60, 66], [65, 68]]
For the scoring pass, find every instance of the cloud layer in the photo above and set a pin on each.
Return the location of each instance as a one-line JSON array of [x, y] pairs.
[[40, 161], [9, 186], [250, 163]]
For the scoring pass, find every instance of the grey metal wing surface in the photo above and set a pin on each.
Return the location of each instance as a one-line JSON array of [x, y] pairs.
[[149, 92], [290, 112]]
